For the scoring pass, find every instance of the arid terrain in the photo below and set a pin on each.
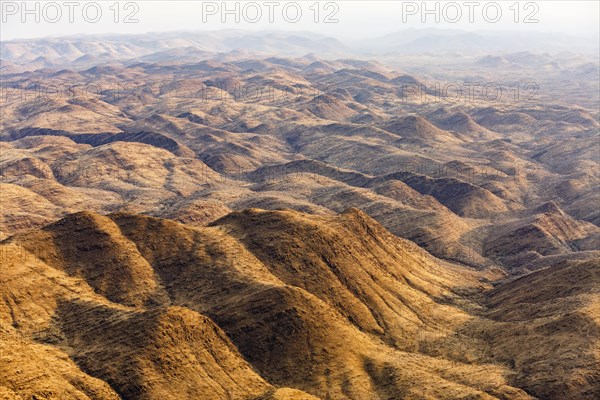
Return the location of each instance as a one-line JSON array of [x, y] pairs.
[[214, 217]]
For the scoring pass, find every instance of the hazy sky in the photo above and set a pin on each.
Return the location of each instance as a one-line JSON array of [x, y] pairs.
[[346, 19]]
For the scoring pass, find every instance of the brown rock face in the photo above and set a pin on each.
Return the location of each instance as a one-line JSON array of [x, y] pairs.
[[280, 305]]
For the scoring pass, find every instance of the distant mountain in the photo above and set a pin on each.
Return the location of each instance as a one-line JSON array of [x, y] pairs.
[[440, 41], [174, 47], [178, 47]]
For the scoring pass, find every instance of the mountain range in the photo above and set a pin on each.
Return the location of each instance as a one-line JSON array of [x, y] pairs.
[[278, 216]]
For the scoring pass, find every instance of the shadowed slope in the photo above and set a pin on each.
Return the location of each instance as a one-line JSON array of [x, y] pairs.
[[330, 318], [547, 325]]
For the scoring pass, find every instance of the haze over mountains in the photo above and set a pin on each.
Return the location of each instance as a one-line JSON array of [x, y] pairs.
[[285, 216], [87, 48]]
